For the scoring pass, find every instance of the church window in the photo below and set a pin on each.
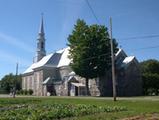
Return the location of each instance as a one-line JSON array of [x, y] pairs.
[[38, 45], [42, 45]]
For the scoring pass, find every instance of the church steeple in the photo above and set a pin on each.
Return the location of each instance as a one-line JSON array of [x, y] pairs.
[[40, 53], [41, 29]]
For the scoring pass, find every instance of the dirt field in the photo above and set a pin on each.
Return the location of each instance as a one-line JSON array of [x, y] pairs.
[[153, 116]]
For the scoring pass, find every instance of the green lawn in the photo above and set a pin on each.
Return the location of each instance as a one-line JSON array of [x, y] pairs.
[[76, 108]]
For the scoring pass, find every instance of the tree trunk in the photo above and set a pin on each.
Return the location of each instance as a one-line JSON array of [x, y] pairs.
[[87, 89]]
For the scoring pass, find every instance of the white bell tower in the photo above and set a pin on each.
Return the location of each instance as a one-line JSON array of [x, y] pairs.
[[40, 52]]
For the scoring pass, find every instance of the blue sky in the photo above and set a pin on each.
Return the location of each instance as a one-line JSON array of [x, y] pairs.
[[20, 19]]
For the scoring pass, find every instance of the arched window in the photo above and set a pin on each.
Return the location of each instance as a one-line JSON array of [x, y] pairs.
[[42, 45]]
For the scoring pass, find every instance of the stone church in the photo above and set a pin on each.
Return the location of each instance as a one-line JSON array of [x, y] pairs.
[[52, 74]]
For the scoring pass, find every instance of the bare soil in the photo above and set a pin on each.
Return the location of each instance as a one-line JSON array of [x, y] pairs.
[[152, 116]]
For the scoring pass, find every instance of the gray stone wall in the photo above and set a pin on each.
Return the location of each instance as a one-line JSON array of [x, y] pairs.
[[64, 71], [58, 89], [128, 81], [63, 89], [93, 85], [38, 79], [133, 82], [27, 81]]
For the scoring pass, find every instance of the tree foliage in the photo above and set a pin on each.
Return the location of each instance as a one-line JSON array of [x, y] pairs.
[[150, 66], [90, 50], [10, 81], [150, 76], [151, 83]]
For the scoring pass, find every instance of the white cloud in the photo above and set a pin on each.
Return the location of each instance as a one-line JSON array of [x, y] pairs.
[[15, 42]]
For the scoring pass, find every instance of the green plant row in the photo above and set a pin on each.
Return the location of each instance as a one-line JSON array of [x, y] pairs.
[[25, 92], [13, 103], [53, 111]]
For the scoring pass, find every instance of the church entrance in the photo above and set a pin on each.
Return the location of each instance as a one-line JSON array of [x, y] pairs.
[[77, 89], [71, 80], [50, 89]]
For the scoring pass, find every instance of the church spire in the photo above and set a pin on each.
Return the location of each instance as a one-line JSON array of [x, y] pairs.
[[40, 53], [41, 29]]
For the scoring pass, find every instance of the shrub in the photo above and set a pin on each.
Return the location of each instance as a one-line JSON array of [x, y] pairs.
[[18, 92], [30, 91], [2, 91], [25, 92], [21, 92]]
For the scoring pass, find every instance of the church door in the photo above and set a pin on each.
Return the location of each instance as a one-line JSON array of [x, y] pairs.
[[76, 91]]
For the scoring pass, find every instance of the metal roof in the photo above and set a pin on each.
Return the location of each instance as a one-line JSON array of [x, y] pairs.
[[57, 59]]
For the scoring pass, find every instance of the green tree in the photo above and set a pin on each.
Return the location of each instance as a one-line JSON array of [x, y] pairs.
[[90, 50], [150, 76], [150, 66], [10, 81]]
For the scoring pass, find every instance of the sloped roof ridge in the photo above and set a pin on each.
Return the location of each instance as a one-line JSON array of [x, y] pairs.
[[128, 59], [120, 51], [43, 61], [64, 60], [40, 63]]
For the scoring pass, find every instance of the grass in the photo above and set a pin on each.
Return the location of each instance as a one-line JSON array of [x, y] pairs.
[[128, 106]]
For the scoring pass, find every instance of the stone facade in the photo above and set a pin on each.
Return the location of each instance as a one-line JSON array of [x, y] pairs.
[[128, 77], [52, 74], [61, 82], [64, 88]]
